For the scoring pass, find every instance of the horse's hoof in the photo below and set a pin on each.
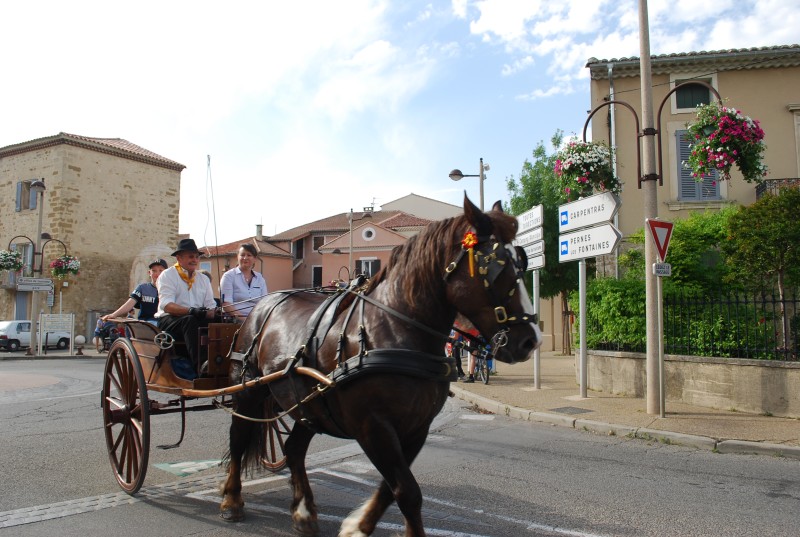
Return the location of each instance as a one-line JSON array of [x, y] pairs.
[[307, 528], [232, 515]]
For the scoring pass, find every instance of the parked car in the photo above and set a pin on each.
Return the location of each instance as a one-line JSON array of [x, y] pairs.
[[17, 334]]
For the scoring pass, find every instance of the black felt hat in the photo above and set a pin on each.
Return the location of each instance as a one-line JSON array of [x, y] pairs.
[[186, 245]]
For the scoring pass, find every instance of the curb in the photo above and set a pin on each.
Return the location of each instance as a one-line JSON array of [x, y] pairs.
[[740, 447]]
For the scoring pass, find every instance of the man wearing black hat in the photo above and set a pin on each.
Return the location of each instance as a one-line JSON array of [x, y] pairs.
[[185, 298], [144, 297]]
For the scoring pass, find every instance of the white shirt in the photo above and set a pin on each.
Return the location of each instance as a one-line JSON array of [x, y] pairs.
[[234, 289], [171, 288]]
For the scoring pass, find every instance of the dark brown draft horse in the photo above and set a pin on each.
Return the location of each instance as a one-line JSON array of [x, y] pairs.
[[399, 324]]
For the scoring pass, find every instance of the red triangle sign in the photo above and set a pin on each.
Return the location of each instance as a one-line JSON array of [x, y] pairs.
[[661, 232]]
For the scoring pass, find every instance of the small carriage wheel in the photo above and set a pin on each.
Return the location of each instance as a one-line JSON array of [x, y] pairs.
[[126, 416], [275, 434]]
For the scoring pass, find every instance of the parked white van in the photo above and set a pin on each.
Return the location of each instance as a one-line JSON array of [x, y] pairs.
[[16, 334]]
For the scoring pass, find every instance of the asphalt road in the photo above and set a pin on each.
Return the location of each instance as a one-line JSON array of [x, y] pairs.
[[482, 475]]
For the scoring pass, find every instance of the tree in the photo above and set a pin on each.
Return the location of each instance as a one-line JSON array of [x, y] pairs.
[[694, 252], [763, 244], [537, 185]]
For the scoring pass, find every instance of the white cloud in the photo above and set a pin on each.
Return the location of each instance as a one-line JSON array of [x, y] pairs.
[[518, 65]]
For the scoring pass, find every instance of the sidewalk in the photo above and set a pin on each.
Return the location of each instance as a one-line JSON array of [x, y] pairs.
[[511, 392]]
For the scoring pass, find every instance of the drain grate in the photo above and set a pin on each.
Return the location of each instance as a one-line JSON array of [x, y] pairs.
[[570, 410]]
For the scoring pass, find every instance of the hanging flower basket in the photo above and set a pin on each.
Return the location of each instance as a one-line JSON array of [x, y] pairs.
[[64, 266], [721, 137], [584, 168], [10, 261]]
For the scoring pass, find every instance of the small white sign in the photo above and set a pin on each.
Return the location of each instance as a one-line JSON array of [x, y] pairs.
[[34, 287], [529, 237], [34, 281], [530, 219], [536, 262], [57, 322], [534, 249], [662, 269], [586, 212], [589, 242]]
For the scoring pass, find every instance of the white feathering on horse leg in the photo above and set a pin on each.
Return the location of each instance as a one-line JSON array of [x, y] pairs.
[[350, 524], [302, 512]]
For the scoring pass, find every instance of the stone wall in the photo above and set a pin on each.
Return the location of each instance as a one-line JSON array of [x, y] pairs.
[[112, 213], [755, 386]]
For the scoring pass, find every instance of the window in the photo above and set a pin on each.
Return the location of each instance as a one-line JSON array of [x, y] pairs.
[[689, 94], [319, 241], [688, 188], [368, 234], [297, 248], [316, 276], [368, 267], [26, 198]]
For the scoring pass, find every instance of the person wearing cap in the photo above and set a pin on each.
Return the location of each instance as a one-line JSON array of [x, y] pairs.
[[144, 297], [185, 298]]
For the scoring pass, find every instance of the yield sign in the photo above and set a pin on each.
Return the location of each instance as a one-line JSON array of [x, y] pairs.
[[661, 232]]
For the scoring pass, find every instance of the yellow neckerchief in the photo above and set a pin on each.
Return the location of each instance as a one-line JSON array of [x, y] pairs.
[[185, 275]]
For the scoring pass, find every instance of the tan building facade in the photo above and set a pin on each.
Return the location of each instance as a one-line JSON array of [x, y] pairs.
[[113, 205], [763, 83]]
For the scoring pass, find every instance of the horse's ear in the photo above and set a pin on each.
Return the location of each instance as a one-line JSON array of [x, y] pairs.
[[498, 207], [476, 217]]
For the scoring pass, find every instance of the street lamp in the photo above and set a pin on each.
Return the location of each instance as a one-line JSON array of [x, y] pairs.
[[37, 186], [456, 175]]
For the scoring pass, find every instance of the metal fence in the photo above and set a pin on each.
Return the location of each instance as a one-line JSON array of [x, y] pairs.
[[759, 325]]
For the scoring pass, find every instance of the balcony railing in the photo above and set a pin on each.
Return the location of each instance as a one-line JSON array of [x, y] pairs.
[[773, 186]]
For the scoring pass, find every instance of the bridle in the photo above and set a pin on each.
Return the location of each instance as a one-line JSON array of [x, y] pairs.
[[491, 258]]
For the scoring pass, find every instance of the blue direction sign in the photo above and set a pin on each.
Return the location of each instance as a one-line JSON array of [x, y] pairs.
[[586, 212], [589, 242]]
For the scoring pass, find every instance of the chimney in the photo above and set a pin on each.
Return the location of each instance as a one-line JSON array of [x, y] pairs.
[[259, 232]]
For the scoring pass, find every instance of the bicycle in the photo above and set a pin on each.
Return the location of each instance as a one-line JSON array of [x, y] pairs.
[[483, 363]]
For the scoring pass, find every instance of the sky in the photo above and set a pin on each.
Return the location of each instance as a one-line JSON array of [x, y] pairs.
[[286, 112]]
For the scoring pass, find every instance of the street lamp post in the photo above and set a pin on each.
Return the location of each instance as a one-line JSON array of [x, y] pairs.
[[38, 187], [456, 175], [350, 270]]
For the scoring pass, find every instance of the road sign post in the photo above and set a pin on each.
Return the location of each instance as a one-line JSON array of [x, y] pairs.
[[585, 231], [530, 238], [661, 233]]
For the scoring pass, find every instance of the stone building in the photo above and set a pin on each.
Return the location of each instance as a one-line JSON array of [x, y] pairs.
[[113, 205]]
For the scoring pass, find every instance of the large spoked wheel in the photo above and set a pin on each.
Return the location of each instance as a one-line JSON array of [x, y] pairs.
[[126, 416], [483, 371], [275, 434]]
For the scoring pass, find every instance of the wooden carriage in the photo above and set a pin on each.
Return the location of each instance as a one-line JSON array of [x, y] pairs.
[[142, 363]]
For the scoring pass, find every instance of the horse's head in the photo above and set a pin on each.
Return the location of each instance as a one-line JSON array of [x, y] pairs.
[[484, 284]]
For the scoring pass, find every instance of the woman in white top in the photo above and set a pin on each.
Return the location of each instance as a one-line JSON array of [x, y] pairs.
[[242, 287]]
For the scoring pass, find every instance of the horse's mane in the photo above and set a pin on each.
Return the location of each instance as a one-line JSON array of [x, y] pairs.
[[420, 258]]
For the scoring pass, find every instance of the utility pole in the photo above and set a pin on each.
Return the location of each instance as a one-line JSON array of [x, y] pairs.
[[650, 192]]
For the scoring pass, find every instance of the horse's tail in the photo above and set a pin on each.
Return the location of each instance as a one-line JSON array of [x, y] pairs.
[[247, 438]]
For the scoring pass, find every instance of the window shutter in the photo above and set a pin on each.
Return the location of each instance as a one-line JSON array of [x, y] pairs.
[[32, 202], [688, 188], [19, 196]]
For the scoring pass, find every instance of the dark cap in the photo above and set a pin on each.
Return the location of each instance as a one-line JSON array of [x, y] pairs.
[[186, 245], [155, 262]]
